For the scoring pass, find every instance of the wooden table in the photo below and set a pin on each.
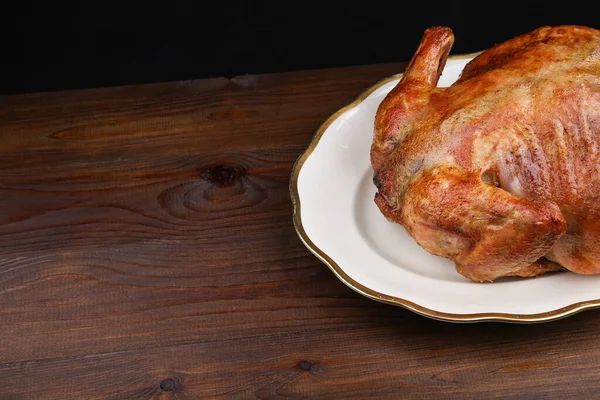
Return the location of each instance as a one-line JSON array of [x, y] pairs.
[[147, 251]]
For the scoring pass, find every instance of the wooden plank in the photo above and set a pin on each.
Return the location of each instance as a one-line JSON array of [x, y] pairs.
[[169, 119], [387, 353]]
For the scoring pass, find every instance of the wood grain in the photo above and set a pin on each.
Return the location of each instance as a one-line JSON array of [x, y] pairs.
[[147, 251]]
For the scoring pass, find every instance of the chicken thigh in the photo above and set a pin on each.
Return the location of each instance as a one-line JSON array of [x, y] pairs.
[[499, 172]]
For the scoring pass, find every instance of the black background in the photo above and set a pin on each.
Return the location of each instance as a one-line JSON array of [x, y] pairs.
[[49, 46]]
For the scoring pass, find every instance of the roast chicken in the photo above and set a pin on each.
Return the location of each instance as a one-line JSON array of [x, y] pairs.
[[499, 172]]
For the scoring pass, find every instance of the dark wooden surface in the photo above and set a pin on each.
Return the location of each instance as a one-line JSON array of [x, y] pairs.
[[147, 251]]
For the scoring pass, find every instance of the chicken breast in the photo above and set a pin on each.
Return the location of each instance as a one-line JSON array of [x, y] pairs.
[[500, 172]]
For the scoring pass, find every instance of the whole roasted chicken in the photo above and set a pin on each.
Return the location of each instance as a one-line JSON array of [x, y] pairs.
[[499, 172]]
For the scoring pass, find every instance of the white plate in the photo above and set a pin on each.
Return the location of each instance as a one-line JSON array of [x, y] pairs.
[[337, 219]]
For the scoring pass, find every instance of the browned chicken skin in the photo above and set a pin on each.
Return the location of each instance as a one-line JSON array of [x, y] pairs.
[[500, 172]]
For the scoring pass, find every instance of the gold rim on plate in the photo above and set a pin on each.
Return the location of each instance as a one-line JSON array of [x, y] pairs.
[[397, 301]]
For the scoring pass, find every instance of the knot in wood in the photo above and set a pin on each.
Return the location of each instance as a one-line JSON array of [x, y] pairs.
[[305, 365], [168, 385], [222, 175]]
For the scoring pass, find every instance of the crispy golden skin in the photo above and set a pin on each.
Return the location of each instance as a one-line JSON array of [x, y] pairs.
[[500, 172]]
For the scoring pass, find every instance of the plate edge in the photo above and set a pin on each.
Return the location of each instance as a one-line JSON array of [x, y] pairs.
[[397, 301]]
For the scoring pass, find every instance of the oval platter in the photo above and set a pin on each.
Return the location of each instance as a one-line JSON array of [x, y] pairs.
[[337, 220]]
